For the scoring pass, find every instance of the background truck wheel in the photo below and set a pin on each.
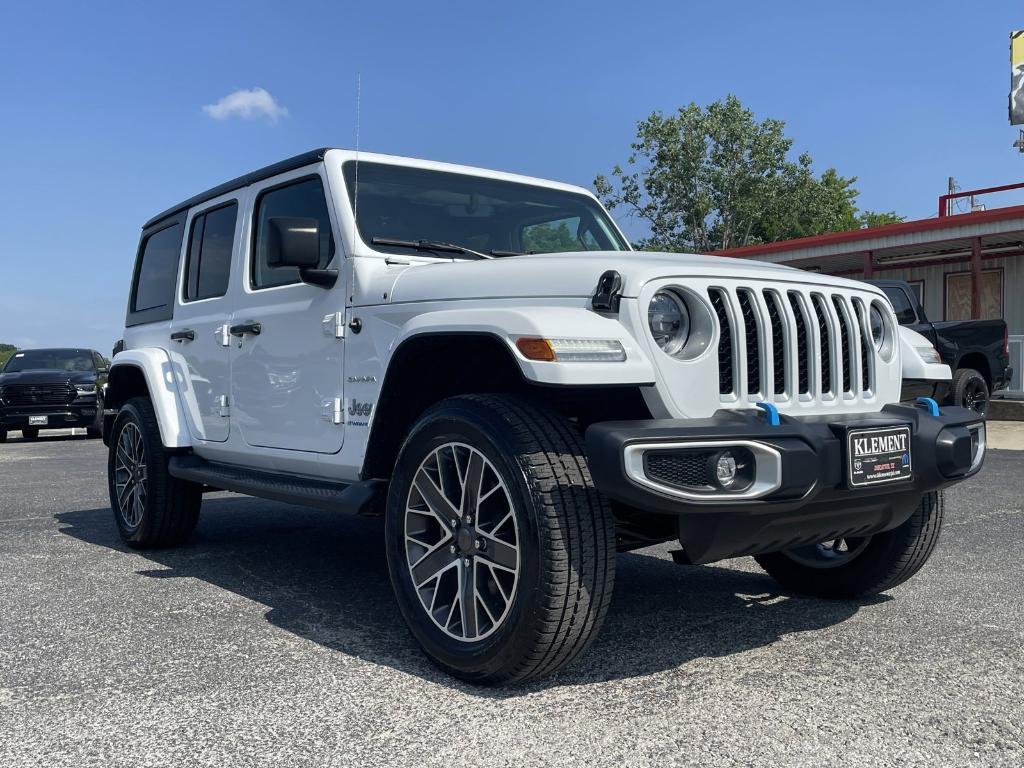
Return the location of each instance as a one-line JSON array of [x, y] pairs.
[[500, 549], [151, 508], [95, 430], [969, 390], [30, 433], [845, 568], [3, 435]]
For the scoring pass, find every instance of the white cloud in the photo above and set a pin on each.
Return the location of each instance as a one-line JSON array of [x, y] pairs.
[[249, 104]]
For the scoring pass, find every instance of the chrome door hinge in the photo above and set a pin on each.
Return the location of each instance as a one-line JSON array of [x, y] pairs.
[[223, 334], [334, 325], [333, 411], [223, 408]]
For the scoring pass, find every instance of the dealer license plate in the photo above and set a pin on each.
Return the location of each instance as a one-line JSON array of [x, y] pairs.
[[37, 421], [878, 455]]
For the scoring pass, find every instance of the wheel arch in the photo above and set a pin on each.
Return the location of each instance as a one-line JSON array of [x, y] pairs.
[[448, 363], [978, 362], [147, 373]]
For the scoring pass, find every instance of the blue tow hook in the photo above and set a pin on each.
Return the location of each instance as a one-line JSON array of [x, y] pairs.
[[771, 413], [930, 405]]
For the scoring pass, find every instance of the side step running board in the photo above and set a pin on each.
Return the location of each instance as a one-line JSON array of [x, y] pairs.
[[363, 498]]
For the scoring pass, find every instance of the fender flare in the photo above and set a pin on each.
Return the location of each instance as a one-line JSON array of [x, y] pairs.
[[161, 380], [509, 324]]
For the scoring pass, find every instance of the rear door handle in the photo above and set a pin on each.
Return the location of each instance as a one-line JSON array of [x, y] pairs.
[[250, 327], [186, 335]]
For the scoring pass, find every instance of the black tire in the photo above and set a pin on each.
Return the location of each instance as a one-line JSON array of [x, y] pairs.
[[169, 508], [884, 561], [30, 433], [3, 435], [969, 390], [565, 533], [95, 429]]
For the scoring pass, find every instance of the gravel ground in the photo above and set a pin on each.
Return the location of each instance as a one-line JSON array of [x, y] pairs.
[[273, 639]]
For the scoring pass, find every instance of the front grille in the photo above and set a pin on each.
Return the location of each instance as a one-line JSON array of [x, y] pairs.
[[37, 394], [796, 344], [681, 469]]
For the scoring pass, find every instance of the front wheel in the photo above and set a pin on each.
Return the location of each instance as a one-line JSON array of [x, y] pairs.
[[500, 549], [30, 433], [151, 508], [854, 567]]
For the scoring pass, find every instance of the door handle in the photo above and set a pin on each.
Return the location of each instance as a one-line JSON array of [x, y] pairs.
[[186, 335], [250, 327]]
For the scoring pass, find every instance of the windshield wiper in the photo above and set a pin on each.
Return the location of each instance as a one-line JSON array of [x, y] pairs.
[[429, 245]]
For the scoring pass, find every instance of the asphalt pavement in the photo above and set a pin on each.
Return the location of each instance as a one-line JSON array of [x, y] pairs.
[[272, 639]]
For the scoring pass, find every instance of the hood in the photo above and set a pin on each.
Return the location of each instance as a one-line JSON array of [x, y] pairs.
[[576, 275], [48, 376]]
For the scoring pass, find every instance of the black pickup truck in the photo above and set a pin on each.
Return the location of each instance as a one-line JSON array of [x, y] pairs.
[[52, 389], [976, 350]]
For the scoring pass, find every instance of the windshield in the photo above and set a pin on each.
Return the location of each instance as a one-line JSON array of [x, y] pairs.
[[50, 359], [488, 216]]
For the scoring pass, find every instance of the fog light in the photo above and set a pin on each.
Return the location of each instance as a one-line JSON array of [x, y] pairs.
[[732, 469]]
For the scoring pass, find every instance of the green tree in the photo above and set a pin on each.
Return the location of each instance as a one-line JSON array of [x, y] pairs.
[[710, 178], [6, 350]]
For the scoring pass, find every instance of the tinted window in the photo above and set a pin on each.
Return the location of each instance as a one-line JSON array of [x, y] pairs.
[[51, 359], [209, 253], [401, 203], [158, 271], [901, 305], [303, 199]]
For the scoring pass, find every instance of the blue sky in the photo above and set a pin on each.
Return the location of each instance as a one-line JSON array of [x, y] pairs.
[[102, 121]]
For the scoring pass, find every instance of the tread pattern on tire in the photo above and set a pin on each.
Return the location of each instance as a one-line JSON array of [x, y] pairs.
[[576, 528], [891, 558], [172, 505]]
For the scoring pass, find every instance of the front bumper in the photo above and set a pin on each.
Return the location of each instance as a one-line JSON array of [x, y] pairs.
[[809, 500], [65, 416]]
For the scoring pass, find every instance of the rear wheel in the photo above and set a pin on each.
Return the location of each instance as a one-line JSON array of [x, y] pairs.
[[853, 567], [970, 390], [30, 433], [501, 551], [151, 508]]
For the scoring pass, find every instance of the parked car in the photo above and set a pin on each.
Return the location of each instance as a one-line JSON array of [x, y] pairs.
[[371, 334], [52, 389], [976, 350]]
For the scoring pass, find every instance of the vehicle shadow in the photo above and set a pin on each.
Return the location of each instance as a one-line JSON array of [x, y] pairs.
[[324, 578]]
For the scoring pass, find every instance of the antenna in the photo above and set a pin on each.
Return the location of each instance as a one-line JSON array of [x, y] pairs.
[[355, 191]]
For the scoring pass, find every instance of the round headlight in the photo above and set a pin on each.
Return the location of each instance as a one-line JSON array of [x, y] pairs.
[[669, 320], [877, 326]]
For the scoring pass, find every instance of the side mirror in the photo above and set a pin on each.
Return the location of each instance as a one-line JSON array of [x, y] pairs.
[[293, 242]]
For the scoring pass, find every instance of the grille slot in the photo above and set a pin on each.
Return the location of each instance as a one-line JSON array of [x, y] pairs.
[[37, 394], [681, 469], [726, 379], [824, 342], [775, 311], [867, 361], [751, 339], [802, 340], [844, 337]]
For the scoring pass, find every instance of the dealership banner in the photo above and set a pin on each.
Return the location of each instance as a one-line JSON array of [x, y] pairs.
[[1017, 78]]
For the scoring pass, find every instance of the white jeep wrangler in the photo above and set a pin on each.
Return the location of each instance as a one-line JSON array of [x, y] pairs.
[[483, 359]]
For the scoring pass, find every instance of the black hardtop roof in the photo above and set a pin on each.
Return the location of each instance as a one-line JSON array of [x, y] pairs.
[[306, 158]]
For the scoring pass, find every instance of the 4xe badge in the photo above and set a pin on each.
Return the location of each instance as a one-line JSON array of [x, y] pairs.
[[878, 455]]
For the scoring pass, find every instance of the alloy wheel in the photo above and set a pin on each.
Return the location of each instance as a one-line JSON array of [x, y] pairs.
[[130, 475], [830, 553], [462, 542], [976, 396]]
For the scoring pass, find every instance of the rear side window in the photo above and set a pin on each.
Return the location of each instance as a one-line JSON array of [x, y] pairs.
[[209, 253], [905, 314], [304, 199], [156, 275]]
